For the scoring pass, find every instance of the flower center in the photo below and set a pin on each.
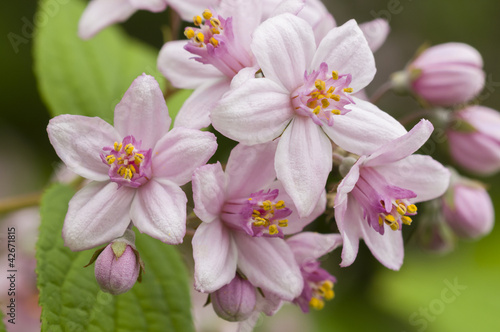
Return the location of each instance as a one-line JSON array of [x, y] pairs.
[[212, 39], [127, 163], [323, 95], [321, 291], [399, 214]]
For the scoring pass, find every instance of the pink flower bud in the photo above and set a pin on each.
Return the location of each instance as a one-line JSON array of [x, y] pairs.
[[234, 301], [116, 273], [474, 139], [468, 209], [447, 74]]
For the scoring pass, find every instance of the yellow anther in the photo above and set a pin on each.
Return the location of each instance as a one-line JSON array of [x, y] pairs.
[[267, 205], [320, 96], [412, 208], [207, 14], [138, 158], [129, 148], [328, 284], [406, 220], [214, 42], [315, 94], [316, 303], [128, 174], [283, 223], [189, 33], [335, 75], [312, 103], [121, 170], [380, 221], [256, 212], [197, 20], [215, 22], [320, 85], [132, 168], [331, 89], [199, 38], [336, 112], [120, 160], [325, 103], [316, 110], [335, 97], [390, 218], [215, 31], [330, 294], [394, 226], [401, 208], [110, 159], [280, 205], [348, 90], [117, 146], [273, 230]]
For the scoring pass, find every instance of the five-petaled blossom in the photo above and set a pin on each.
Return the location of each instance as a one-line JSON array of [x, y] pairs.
[[245, 214], [306, 98], [379, 193], [137, 168]]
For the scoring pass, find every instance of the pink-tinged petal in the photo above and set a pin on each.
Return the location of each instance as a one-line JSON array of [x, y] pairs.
[[284, 46], [244, 75], [249, 324], [348, 182], [142, 112], [180, 152], [151, 5], [102, 13], [257, 112], [303, 162], [215, 256], [78, 141], [289, 6], [295, 222], [474, 151], [270, 304], [316, 14], [346, 50], [159, 210], [243, 22], [388, 249], [421, 174], [250, 169], [209, 183], [484, 119], [179, 67], [187, 9], [402, 146], [364, 129], [349, 217], [375, 32], [310, 246], [268, 263], [195, 112], [97, 214]]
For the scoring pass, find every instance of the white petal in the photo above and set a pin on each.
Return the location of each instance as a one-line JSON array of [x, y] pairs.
[[376, 32], [102, 13], [309, 246], [209, 185]]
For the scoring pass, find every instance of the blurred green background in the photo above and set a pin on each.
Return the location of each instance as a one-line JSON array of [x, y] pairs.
[[368, 296]]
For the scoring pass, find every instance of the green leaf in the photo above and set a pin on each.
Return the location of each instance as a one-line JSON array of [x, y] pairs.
[[2, 326], [85, 77], [71, 299], [175, 102]]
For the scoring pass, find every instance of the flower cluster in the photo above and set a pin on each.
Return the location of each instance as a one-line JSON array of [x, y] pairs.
[[285, 82]]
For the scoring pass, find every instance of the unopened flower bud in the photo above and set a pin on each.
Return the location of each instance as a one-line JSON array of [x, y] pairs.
[[234, 301], [468, 209], [444, 75], [474, 139], [117, 268]]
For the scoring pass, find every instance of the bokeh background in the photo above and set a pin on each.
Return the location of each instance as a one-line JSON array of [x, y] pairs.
[[369, 297]]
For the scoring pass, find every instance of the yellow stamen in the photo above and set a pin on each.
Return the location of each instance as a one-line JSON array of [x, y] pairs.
[[316, 303], [197, 20], [335, 75], [199, 38], [325, 103], [128, 174], [132, 168], [207, 14], [336, 112], [214, 42], [110, 159], [330, 294], [273, 229], [283, 223], [312, 104], [406, 220], [259, 222], [215, 31], [401, 208], [215, 22], [316, 110], [267, 205], [394, 226], [390, 218], [412, 208], [335, 97], [121, 170], [331, 89], [117, 146], [256, 212], [138, 158], [280, 205], [348, 90], [129, 148], [320, 85], [189, 33], [315, 94]]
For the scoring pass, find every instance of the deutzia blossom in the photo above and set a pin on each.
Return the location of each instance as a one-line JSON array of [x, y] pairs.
[[306, 99], [245, 214], [102, 13], [136, 166], [379, 193]]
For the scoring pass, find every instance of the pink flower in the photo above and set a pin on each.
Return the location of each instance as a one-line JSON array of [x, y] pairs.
[[379, 192], [305, 98], [235, 301], [474, 139], [445, 75], [467, 208], [136, 166], [218, 49], [307, 248], [102, 13], [230, 238]]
